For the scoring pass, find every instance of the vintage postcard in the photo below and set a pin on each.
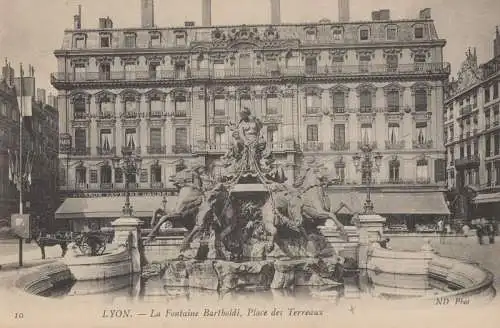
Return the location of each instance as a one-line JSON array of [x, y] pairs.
[[239, 163]]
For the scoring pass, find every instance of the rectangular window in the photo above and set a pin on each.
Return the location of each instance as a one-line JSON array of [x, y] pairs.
[[181, 138], [421, 132], [419, 32], [143, 176], [105, 41], [80, 72], [180, 40], [392, 62], [312, 133], [272, 66], [118, 175], [105, 140], [79, 106], [393, 133], [80, 139], [180, 70], [338, 102], [337, 34], [272, 103], [422, 171], [495, 90], [129, 41], [219, 69], [487, 95], [440, 170], [365, 100], [364, 63], [93, 176], [421, 100], [219, 106], [180, 107], [130, 138], [311, 66], [220, 135], [130, 71], [364, 34], [497, 169], [394, 171], [488, 145], [155, 138], [311, 36], [272, 134], [156, 173], [497, 143], [155, 40], [366, 133], [130, 106], [339, 134], [313, 104], [393, 101], [81, 175], [80, 42], [392, 33], [245, 64], [156, 105], [489, 174]]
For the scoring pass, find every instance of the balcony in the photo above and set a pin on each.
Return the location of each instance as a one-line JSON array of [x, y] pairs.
[[106, 151], [340, 146], [417, 144], [180, 113], [84, 151], [157, 114], [134, 150], [130, 115], [81, 116], [181, 149], [106, 115], [157, 150], [472, 161], [397, 145], [278, 146], [419, 181], [312, 146], [157, 185], [313, 110], [465, 110], [373, 145], [338, 110], [257, 72]]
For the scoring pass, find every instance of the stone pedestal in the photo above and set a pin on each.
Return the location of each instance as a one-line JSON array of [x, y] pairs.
[[371, 229], [128, 231]]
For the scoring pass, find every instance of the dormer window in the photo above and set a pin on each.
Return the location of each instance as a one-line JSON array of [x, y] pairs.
[[155, 40], [364, 33], [338, 33], [418, 32], [180, 40], [311, 35], [79, 42], [129, 41], [392, 32], [105, 41]]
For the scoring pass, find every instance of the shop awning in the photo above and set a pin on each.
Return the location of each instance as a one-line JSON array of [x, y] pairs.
[[487, 198], [110, 207], [419, 203]]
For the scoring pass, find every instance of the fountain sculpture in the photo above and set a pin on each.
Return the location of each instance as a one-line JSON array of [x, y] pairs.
[[252, 229]]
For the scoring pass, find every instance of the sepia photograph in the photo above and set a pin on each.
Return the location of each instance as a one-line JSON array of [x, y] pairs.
[[243, 162]]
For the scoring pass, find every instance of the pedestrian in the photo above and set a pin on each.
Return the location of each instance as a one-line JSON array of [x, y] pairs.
[[465, 230], [479, 233], [491, 233]]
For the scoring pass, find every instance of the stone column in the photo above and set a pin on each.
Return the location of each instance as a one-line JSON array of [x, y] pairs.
[[127, 229], [370, 227]]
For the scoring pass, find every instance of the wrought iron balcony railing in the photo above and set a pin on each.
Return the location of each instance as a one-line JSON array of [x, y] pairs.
[[394, 145], [181, 149], [106, 151], [312, 146], [156, 150], [340, 146], [417, 144], [83, 151]]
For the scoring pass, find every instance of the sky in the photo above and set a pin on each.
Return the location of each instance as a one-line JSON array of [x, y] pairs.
[[30, 30]]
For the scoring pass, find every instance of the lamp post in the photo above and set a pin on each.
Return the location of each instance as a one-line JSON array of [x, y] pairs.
[[367, 163], [130, 164]]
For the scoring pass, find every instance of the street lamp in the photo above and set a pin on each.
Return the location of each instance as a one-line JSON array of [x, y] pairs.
[[130, 164], [367, 163]]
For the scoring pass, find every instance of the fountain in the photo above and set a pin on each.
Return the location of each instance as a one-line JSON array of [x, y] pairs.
[[253, 230]]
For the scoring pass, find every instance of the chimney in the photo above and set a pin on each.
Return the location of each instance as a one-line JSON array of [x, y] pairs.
[[384, 14], [8, 73], [41, 96], [206, 13], [102, 22], [425, 13], [275, 12], [343, 11], [375, 15], [147, 13], [77, 19]]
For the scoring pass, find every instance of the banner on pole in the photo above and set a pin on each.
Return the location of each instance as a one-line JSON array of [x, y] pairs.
[[20, 225]]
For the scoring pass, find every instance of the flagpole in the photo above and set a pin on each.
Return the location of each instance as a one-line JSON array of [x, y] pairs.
[[20, 179]]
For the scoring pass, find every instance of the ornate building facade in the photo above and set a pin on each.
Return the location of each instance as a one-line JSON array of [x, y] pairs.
[[322, 90], [40, 147], [472, 136]]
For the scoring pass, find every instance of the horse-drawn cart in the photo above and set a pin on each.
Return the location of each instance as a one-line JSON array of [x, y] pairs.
[[90, 243]]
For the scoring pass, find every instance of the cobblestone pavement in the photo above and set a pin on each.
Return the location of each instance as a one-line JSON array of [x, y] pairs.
[[487, 255]]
